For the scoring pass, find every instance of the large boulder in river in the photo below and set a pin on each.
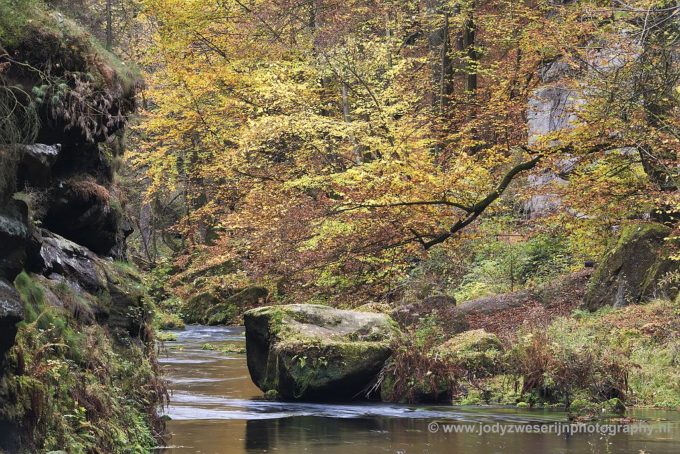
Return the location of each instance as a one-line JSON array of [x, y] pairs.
[[633, 271], [314, 352]]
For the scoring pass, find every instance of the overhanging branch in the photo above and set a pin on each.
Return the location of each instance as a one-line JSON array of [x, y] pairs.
[[479, 207]]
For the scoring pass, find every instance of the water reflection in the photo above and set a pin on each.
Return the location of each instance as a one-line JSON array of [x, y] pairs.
[[215, 408]]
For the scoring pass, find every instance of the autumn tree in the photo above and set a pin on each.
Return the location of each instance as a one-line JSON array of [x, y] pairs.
[[324, 145]]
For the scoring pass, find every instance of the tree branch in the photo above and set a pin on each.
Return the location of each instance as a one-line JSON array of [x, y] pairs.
[[479, 207], [465, 208]]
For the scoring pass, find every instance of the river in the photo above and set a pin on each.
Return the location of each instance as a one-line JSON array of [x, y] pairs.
[[215, 408]]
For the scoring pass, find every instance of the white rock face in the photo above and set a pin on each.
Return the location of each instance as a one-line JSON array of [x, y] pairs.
[[550, 109]]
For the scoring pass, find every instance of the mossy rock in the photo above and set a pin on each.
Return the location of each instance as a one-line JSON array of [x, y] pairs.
[[493, 390], [217, 307], [378, 308], [476, 351], [222, 314], [119, 297], [196, 308], [580, 407], [314, 352], [166, 320], [633, 270]]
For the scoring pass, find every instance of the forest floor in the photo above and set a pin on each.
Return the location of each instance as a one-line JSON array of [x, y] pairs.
[[504, 314]]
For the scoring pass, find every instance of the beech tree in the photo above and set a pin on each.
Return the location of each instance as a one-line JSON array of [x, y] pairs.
[[325, 144]]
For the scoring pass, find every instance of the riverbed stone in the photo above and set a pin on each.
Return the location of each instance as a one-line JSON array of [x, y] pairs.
[[315, 352]]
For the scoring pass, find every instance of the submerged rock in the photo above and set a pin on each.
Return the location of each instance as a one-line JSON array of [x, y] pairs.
[[633, 270], [314, 352]]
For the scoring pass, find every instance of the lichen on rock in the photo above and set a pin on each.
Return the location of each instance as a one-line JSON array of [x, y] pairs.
[[633, 270], [314, 352]]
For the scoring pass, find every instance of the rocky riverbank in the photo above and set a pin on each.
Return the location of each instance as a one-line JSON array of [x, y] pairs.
[[77, 365]]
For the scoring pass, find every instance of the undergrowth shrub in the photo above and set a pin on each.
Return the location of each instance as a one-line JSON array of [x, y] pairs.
[[71, 386], [503, 266], [415, 373], [630, 353], [553, 371]]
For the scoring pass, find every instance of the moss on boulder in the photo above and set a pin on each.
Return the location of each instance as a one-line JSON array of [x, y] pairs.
[[314, 352], [378, 308], [217, 307], [476, 351], [633, 270]]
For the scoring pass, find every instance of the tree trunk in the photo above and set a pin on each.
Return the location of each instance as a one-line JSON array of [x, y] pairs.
[[109, 25], [469, 32], [440, 47]]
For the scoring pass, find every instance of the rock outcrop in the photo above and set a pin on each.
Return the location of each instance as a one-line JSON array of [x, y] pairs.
[[67, 263], [61, 226], [551, 108], [314, 352], [11, 313], [635, 268], [79, 97], [15, 238], [37, 162]]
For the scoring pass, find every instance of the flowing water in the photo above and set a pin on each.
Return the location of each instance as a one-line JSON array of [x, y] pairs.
[[215, 408]]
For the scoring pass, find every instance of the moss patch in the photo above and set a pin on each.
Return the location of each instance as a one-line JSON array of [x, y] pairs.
[[634, 268], [72, 385], [316, 352]]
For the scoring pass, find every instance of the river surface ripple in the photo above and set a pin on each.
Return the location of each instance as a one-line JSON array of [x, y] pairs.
[[215, 408]]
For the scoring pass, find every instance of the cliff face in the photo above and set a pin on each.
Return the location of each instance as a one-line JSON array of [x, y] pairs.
[[75, 342]]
